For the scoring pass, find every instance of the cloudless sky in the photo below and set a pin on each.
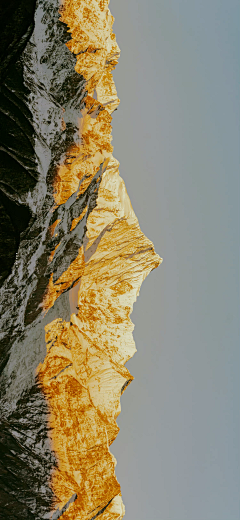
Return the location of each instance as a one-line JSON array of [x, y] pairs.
[[176, 134]]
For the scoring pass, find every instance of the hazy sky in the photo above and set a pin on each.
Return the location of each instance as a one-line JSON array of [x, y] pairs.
[[176, 134]]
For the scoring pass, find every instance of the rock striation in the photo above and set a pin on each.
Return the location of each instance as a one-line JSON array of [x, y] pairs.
[[73, 259]]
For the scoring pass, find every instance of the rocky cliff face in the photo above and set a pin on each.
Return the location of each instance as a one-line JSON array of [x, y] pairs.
[[73, 259]]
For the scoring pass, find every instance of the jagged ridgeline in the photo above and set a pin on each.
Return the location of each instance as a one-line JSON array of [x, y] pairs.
[[72, 260]]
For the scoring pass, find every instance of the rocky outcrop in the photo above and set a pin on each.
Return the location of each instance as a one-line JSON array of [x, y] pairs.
[[76, 263]]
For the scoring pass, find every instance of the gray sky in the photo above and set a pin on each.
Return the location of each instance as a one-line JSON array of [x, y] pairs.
[[176, 134]]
